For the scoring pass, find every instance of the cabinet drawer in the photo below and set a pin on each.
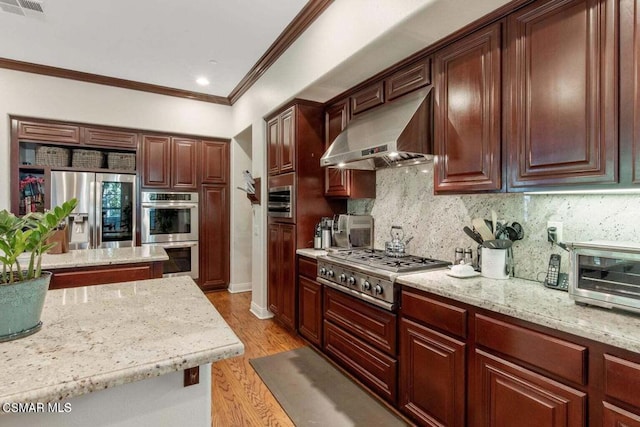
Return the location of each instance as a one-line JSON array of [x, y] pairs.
[[408, 79], [553, 355], [307, 267], [367, 98], [110, 138], [48, 132], [372, 367], [614, 416], [372, 324], [74, 277], [443, 316], [622, 379]]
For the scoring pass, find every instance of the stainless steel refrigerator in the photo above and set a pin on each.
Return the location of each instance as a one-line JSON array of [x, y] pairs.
[[106, 213]]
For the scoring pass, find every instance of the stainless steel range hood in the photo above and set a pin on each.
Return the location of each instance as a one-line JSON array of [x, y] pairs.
[[398, 133]]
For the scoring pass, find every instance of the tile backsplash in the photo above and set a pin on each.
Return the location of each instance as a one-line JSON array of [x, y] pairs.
[[404, 197]]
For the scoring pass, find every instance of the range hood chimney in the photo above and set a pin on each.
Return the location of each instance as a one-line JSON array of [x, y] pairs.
[[399, 133]]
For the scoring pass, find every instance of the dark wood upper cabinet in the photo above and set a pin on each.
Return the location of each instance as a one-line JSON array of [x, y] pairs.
[[561, 109], [367, 98], [156, 167], [408, 79], [344, 183], [467, 114], [281, 140], [51, 132], [629, 92], [215, 162], [170, 163], [184, 164], [110, 138]]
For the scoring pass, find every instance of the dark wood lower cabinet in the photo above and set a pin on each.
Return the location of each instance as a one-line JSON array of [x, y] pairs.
[[281, 288], [432, 376], [101, 275], [310, 310], [510, 395], [214, 237], [612, 416]]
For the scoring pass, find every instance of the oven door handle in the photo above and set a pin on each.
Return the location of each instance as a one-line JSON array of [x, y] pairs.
[[174, 245], [169, 206]]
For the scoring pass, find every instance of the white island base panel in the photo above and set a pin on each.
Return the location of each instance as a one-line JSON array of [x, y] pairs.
[[154, 402]]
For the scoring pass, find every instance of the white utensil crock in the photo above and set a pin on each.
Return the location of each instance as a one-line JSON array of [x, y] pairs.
[[494, 263]]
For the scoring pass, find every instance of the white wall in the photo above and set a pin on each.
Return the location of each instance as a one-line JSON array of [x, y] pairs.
[[53, 98], [242, 216]]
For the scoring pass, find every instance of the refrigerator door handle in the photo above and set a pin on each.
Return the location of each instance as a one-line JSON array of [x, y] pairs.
[[98, 222]]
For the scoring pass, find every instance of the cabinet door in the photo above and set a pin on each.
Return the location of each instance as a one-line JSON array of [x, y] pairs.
[[184, 164], [155, 161], [287, 140], [612, 416], [214, 237], [274, 258], [338, 182], [467, 114], [33, 131], [432, 376], [408, 79], [215, 162], [310, 310], [509, 395], [288, 275], [273, 144], [562, 105], [367, 98], [110, 138]]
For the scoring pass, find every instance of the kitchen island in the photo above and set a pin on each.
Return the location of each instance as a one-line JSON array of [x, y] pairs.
[[115, 355], [83, 267]]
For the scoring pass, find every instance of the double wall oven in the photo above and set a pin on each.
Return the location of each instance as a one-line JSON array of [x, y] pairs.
[[170, 220]]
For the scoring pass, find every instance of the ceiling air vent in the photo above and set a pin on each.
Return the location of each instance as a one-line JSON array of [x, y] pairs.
[[22, 7]]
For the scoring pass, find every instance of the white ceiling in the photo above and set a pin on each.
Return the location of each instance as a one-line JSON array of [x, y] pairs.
[[166, 43]]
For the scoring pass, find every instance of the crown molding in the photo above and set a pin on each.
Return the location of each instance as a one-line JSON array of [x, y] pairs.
[[305, 17], [300, 23]]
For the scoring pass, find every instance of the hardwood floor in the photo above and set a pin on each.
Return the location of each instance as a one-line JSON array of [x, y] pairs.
[[239, 398]]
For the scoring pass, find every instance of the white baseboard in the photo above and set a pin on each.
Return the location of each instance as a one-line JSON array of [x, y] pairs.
[[236, 288], [260, 312]]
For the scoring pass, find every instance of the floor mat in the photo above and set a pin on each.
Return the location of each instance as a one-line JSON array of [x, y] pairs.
[[314, 393]]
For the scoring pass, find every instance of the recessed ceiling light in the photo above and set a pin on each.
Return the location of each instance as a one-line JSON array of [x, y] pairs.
[[213, 62], [202, 81]]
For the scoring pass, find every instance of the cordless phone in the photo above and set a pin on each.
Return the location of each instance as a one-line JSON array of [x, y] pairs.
[[555, 279]]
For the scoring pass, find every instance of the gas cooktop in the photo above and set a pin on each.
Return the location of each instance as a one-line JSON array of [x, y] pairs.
[[377, 258]]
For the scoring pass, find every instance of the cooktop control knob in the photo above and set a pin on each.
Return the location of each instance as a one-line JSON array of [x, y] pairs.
[[378, 290], [351, 281], [343, 277], [323, 271], [330, 273], [366, 285]]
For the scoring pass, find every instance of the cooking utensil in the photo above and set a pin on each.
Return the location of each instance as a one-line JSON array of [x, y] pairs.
[[481, 227], [494, 222], [473, 234], [519, 230], [497, 244]]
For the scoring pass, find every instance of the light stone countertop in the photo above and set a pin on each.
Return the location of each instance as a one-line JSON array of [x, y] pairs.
[[94, 257], [531, 301], [311, 253], [97, 337]]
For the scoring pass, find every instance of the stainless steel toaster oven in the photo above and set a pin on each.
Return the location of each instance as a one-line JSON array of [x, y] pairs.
[[605, 274]]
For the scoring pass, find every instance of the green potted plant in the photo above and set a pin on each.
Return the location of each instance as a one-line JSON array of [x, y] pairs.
[[23, 289]]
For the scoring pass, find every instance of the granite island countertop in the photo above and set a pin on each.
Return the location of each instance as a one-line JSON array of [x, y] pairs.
[[102, 336], [95, 257], [531, 301]]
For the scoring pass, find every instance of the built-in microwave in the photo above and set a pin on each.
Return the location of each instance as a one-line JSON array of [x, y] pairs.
[[280, 202], [605, 274]]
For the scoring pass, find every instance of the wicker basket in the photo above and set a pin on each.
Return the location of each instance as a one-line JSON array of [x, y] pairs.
[[52, 156], [86, 159], [121, 161]]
